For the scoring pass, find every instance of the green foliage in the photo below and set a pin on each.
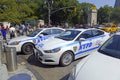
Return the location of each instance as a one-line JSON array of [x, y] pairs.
[[25, 10], [85, 8], [8, 11], [115, 15], [71, 11], [16, 11], [104, 14], [65, 11]]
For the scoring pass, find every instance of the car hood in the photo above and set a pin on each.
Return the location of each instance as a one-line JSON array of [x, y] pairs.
[[52, 43], [98, 67], [21, 38]]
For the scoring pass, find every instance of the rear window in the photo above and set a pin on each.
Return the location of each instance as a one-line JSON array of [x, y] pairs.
[[34, 33], [111, 47], [97, 32]]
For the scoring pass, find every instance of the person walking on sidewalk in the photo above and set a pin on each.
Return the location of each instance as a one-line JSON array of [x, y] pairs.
[[12, 32]]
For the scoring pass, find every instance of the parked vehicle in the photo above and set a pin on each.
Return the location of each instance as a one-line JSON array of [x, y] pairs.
[[112, 28], [70, 45], [25, 44], [104, 64]]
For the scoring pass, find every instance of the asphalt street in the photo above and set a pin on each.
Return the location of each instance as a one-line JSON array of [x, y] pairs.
[[47, 72]]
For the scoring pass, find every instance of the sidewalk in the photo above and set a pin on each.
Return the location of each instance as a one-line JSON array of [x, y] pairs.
[[24, 70], [22, 73]]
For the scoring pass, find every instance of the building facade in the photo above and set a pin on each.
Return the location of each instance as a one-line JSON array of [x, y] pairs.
[[117, 3], [92, 17]]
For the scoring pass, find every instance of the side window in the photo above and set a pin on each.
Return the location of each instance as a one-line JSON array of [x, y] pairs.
[[56, 31], [46, 32], [97, 32], [86, 34]]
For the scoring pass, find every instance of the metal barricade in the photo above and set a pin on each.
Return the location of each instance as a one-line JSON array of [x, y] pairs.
[[11, 58]]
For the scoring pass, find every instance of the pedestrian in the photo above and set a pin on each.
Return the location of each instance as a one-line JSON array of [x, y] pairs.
[[21, 29], [26, 29], [17, 29], [3, 31], [12, 32]]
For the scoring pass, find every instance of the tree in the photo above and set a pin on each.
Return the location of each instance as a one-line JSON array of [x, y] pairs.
[[16, 11], [8, 11], [26, 10], [115, 15], [104, 14], [69, 9], [85, 7]]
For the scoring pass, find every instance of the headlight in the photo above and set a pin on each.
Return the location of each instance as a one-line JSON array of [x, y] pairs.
[[14, 43], [52, 51]]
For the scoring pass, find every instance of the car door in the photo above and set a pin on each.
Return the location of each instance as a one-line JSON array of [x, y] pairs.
[[98, 38], [86, 45]]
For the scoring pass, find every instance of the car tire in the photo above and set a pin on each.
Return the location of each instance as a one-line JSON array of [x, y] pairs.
[[66, 59], [27, 48]]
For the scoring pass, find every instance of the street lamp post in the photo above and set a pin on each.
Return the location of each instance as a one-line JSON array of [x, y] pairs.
[[49, 3]]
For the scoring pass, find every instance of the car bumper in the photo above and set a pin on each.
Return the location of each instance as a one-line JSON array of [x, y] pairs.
[[47, 58]]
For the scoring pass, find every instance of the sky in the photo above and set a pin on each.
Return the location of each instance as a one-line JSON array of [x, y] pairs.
[[100, 3]]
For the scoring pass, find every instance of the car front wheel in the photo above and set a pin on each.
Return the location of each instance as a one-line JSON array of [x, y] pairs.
[[66, 58], [27, 48]]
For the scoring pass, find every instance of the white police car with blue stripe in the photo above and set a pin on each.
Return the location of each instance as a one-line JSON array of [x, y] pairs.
[[25, 44], [70, 45]]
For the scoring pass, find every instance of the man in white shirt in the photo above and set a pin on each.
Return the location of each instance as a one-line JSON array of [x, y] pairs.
[[12, 32]]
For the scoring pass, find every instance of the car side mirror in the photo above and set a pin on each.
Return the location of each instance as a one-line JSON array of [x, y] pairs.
[[81, 39], [41, 35], [44, 34]]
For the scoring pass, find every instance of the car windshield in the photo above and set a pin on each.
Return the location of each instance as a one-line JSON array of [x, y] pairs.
[[111, 47], [68, 35], [34, 33]]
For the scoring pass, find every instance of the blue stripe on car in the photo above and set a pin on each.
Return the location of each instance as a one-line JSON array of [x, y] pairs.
[[39, 39], [81, 52]]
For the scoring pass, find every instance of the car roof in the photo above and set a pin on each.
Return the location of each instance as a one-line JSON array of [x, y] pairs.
[[85, 29], [52, 28]]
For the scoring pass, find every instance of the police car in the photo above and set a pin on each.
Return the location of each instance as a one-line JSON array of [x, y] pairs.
[[25, 44], [69, 45]]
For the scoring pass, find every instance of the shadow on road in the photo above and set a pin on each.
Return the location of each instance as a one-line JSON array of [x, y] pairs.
[[65, 77]]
